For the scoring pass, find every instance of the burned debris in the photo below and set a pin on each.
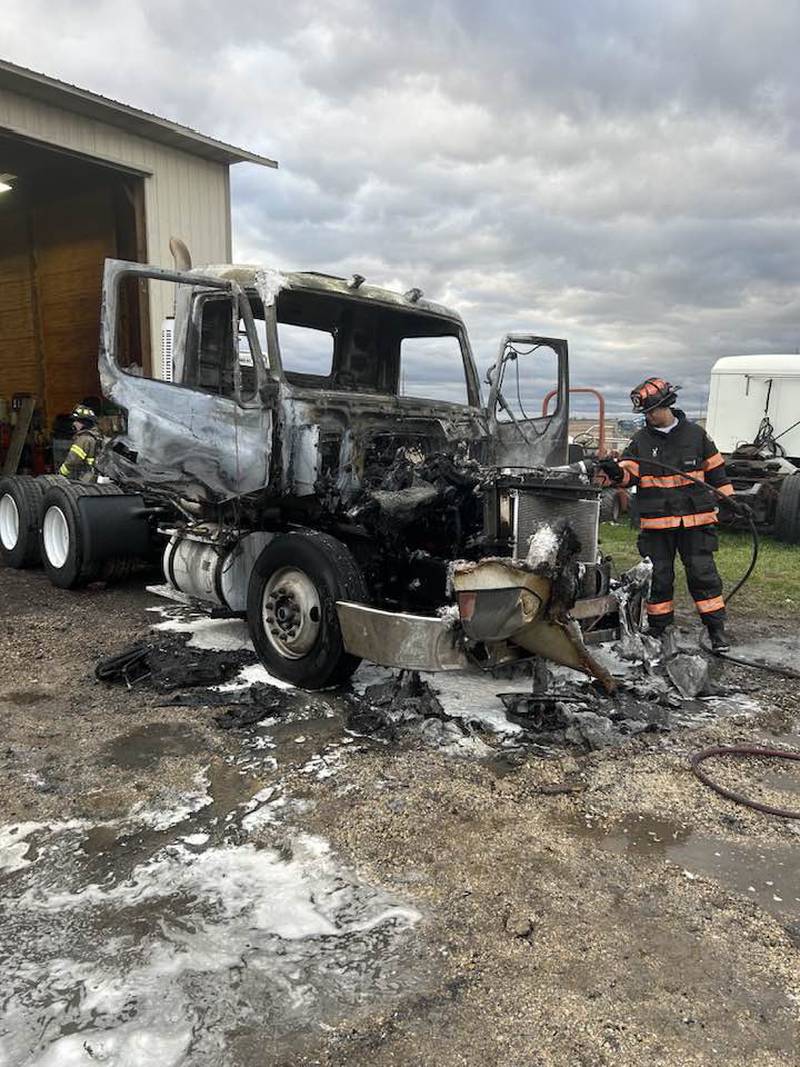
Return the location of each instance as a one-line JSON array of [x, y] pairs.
[[167, 662]]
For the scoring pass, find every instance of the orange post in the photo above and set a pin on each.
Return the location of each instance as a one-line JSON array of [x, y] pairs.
[[601, 403]]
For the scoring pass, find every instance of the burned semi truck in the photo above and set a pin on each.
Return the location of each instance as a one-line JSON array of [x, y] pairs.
[[286, 476]]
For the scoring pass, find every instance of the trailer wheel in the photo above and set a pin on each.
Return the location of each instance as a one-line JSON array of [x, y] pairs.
[[787, 511], [20, 512], [61, 538], [291, 608]]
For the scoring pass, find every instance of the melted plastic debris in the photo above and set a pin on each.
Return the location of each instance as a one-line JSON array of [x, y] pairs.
[[406, 706], [169, 661], [688, 673], [467, 695]]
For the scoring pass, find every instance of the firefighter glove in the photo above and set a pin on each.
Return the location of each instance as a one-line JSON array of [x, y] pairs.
[[738, 507], [612, 470]]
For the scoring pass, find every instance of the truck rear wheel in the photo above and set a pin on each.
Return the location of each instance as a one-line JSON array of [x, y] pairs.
[[291, 608], [61, 537], [20, 513], [787, 511]]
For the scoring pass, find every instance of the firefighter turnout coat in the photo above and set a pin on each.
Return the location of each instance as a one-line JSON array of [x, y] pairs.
[[666, 501], [79, 461]]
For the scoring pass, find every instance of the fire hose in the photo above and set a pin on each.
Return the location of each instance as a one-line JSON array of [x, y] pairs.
[[730, 794]]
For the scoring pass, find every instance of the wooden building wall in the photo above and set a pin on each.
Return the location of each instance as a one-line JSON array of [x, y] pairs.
[[183, 195]]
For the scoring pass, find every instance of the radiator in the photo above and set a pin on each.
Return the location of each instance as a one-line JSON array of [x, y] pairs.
[[534, 507]]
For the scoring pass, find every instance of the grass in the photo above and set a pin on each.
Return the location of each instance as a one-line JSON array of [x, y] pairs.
[[772, 589]]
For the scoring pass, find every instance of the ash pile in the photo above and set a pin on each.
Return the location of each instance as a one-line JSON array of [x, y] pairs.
[[661, 687]]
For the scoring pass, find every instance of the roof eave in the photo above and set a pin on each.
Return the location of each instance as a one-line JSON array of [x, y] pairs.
[[49, 90]]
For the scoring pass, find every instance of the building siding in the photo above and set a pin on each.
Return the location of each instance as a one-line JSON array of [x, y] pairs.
[[185, 196]]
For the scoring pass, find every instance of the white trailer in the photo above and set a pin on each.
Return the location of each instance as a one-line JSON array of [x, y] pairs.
[[754, 418], [747, 389]]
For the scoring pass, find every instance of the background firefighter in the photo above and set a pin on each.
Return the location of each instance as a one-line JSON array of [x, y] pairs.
[[676, 514], [79, 461]]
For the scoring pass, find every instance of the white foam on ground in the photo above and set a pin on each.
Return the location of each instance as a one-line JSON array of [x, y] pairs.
[[14, 843], [124, 1047], [323, 764], [467, 694], [180, 807], [218, 635], [195, 839], [248, 676], [180, 935]]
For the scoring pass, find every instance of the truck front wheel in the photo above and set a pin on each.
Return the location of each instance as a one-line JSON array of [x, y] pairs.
[[291, 608]]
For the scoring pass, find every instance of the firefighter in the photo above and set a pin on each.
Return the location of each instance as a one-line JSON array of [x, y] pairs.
[[79, 461], [676, 514]]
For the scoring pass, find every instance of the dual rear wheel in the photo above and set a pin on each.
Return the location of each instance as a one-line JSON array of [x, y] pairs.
[[20, 517]]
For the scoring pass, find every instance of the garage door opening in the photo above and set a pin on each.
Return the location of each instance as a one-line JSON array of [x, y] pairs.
[[62, 216]]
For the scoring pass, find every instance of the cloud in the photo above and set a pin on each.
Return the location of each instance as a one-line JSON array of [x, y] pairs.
[[622, 173]]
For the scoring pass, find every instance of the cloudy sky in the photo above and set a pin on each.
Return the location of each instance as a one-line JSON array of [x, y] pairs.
[[622, 173]]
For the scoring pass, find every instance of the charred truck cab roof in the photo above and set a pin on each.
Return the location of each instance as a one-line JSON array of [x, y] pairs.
[[349, 416]]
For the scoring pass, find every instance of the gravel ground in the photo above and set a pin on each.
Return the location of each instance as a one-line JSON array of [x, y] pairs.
[[577, 910]]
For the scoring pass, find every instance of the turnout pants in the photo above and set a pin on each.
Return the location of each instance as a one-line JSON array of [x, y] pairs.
[[696, 546]]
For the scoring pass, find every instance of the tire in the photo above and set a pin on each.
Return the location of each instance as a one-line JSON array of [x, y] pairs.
[[20, 514], [295, 584], [787, 511], [610, 509], [61, 538]]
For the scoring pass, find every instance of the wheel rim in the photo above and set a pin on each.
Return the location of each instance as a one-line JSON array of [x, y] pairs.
[[9, 521], [55, 536], [291, 612]]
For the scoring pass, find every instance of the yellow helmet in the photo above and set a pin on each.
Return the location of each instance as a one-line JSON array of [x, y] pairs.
[[83, 414]]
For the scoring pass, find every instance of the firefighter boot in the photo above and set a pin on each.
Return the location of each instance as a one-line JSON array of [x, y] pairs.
[[716, 631]]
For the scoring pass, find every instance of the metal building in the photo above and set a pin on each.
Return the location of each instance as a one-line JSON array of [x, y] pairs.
[[83, 177]]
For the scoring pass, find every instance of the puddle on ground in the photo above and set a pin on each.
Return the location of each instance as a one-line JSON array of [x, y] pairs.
[[165, 939], [781, 651], [146, 746], [767, 875]]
